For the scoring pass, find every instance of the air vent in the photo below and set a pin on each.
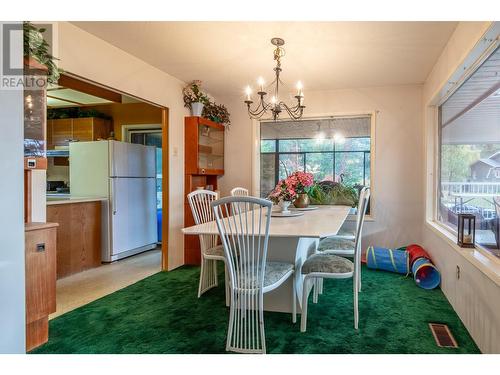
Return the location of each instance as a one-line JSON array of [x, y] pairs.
[[442, 335]]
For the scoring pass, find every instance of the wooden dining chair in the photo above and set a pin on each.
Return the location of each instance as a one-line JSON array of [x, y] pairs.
[[211, 252], [245, 237], [330, 266], [239, 192]]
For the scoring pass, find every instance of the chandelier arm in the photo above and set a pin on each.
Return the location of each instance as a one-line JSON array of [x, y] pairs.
[[257, 112], [291, 113]]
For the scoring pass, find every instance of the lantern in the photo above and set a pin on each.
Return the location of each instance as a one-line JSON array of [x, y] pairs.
[[466, 230]]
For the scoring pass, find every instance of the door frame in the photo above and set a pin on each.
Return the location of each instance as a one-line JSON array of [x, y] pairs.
[[82, 84]]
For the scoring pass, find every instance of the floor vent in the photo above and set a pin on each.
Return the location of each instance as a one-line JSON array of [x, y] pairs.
[[442, 335]]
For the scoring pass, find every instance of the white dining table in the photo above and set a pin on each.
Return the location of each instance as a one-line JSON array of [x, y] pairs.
[[291, 239]]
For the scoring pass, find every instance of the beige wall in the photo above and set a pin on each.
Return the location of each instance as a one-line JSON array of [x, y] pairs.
[[475, 295], [87, 56], [397, 199]]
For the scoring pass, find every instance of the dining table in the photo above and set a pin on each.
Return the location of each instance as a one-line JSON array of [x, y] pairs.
[[291, 239]]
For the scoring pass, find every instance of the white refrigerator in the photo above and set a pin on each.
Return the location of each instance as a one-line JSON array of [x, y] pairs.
[[125, 175]]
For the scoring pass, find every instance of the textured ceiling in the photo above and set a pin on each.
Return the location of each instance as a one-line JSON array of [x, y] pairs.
[[227, 56]]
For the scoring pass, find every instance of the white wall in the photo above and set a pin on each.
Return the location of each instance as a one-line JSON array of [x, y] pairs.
[[475, 296], [397, 184], [12, 306], [85, 55]]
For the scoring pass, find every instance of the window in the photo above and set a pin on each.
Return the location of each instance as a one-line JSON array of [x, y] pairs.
[[469, 146], [150, 137], [335, 149]]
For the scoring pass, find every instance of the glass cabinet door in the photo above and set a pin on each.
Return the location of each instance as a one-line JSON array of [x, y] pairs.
[[34, 123], [210, 147]]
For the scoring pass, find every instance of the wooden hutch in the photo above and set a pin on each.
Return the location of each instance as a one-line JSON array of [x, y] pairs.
[[204, 163]]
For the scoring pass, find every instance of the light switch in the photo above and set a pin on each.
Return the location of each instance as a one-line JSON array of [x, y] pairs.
[[175, 151]]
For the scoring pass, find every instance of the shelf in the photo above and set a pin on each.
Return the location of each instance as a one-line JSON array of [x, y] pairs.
[[210, 140]]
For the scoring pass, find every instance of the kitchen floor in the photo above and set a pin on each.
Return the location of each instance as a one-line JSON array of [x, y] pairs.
[[84, 287]]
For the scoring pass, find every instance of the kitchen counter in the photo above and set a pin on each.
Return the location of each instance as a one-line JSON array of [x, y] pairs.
[[80, 231], [66, 199]]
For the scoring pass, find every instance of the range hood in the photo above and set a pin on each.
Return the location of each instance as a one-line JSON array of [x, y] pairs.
[[58, 153]]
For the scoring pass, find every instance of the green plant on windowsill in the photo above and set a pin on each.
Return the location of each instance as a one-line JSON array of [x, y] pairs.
[[329, 192]]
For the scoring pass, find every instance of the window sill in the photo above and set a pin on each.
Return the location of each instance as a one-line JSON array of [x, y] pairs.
[[480, 258]]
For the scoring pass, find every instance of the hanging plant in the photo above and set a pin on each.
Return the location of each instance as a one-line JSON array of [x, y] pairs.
[[35, 46]]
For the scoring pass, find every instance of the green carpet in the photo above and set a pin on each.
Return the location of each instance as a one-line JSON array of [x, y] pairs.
[[162, 314]]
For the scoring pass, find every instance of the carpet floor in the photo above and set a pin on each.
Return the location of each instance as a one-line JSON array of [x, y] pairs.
[[162, 314]]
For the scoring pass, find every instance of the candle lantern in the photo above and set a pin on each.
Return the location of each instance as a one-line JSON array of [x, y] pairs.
[[466, 230]]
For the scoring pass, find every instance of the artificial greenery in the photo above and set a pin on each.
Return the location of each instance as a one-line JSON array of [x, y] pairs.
[[74, 112], [36, 46], [329, 192]]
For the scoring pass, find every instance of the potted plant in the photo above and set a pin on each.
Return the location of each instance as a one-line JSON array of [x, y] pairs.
[[217, 113], [302, 183], [195, 98], [335, 193], [283, 195], [36, 49]]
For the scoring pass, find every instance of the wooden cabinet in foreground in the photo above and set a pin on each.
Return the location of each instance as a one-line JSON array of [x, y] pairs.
[[79, 239], [40, 263]]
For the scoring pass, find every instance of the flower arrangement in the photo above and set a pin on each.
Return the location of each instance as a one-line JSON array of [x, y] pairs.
[[301, 182], [288, 188], [284, 191], [217, 113], [192, 93]]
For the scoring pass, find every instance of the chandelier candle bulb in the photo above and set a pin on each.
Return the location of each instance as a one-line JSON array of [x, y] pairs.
[[260, 81], [248, 91], [299, 88]]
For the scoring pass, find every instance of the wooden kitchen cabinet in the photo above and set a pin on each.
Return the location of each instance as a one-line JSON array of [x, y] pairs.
[[79, 239], [62, 131], [40, 263]]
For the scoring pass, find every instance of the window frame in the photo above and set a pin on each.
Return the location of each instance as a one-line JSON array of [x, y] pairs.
[[432, 139], [277, 152], [372, 113]]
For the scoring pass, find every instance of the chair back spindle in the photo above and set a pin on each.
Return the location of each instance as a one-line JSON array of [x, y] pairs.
[[245, 236]]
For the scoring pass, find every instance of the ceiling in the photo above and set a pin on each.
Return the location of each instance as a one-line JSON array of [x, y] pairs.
[[58, 97], [61, 97], [227, 56]]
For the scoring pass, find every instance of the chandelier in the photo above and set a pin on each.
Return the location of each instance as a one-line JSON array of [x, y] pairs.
[[275, 105]]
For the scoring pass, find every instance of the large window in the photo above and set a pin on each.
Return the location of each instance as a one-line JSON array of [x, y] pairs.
[[336, 149], [469, 144]]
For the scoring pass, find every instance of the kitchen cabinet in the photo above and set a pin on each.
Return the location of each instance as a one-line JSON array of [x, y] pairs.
[[40, 263], [79, 239], [62, 131]]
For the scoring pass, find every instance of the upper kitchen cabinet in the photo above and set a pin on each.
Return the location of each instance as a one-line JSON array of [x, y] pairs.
[[204, 152], [62, 131]]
